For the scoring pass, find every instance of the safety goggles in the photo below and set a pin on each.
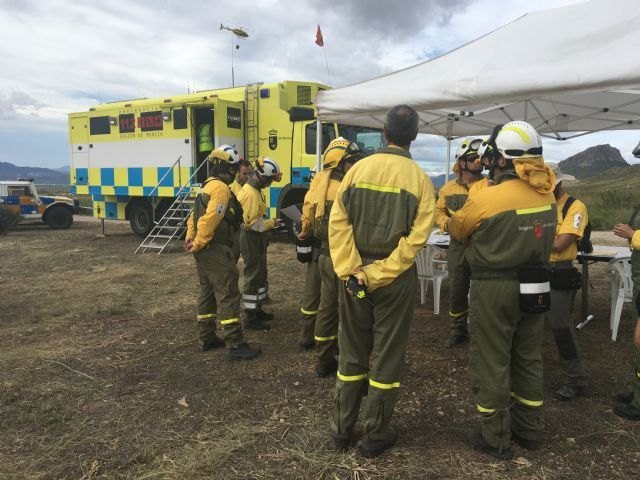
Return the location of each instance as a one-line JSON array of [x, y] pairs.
[[519, 153], [484, 147], [353, 149], [470, 147]]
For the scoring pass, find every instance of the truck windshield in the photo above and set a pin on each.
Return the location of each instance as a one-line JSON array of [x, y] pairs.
[[369, 139]]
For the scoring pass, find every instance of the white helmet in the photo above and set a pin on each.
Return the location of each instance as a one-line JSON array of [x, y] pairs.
[[468, 147], [267, 167], [233, 155], [518, 140]]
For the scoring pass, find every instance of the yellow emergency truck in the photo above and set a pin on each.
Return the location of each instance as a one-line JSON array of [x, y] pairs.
[[134, 156]]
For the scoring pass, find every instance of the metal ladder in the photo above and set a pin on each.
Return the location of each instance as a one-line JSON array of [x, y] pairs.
[[251, 103], [173, 223]]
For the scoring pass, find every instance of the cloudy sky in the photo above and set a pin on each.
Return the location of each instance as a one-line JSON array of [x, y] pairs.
[[61, 56]]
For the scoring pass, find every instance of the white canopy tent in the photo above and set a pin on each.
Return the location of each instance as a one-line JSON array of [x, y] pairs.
[[571, 69]]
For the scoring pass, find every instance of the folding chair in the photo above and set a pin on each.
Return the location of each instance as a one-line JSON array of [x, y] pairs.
[[621, 290], [427, 262]]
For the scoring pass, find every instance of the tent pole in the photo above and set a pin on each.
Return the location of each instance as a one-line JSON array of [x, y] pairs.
[[449, 128]]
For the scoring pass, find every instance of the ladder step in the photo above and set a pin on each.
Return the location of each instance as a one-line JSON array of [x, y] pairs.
[[151, 245]]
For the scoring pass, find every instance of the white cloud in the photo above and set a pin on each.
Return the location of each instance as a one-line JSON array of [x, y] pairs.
[[61, 56]]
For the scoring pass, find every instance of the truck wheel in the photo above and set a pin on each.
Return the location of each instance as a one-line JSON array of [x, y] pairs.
[[59, 218], [141, 218]]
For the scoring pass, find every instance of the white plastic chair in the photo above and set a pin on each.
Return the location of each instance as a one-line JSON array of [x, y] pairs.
[[427, 264], [621, 290]]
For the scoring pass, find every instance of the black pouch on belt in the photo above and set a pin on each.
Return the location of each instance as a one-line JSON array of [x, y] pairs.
[[566, 279], [304, 250], [535, 290]]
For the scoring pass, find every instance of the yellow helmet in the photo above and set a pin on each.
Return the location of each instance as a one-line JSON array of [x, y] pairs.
[[334, 153]]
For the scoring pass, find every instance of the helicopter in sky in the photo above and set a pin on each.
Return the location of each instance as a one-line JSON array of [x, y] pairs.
[[236, 31]]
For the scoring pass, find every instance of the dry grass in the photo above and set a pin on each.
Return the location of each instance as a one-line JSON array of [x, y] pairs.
[[100, 377]]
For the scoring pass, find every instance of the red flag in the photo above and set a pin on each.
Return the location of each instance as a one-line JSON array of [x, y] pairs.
[[319, 39]]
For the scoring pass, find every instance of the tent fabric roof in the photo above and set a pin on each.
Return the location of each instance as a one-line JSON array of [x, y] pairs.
[[568, 69]]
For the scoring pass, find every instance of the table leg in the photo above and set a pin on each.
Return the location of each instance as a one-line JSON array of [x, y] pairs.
[[585, 290]]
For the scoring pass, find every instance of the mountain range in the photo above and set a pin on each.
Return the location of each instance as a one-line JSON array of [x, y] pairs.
[[9, 171], [586, 164]]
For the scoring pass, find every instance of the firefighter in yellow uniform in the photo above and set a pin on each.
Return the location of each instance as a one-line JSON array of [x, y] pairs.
[[451, 198], [628, 402], [244, 170], [308, 247], [339, 157], [211, 232], [382, 215], [509, 230], [570, 228], [253, 241]]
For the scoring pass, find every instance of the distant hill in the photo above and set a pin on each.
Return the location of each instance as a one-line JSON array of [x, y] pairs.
[[609, 196], [593, 161], [9, 171], [439, 180]]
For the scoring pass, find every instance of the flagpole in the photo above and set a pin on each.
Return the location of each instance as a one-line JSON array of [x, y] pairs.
[[326, 61]]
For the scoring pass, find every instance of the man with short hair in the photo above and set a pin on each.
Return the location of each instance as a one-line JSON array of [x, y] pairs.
[[569, 229], [382, 215], [241, 178], [509, 230]]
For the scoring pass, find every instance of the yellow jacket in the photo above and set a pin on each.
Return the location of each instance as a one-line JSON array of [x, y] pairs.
[[385, 209], [574, 223], [235, 187], [451, 198], [216, 195], [308, 208], [254, 208]]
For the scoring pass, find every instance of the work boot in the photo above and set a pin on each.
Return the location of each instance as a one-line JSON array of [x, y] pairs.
[[478, 442], [455, 340], [253, 322], [628, 411], [568, 392], [211, 343], [264, 316], [340, 441], [373, 448], [623, 397], [243, 351], [525, 443], [323, 370], [305, 347]]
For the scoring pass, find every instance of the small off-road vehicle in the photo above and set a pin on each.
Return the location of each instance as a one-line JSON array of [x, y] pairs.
[[21, 197]]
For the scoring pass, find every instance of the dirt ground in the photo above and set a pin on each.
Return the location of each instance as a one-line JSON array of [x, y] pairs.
[[100, 377]]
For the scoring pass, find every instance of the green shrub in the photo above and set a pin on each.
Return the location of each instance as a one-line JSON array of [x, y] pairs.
[[8, 220]]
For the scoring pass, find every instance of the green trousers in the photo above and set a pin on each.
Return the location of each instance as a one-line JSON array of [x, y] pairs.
[[459, 281], [253, 246], [310, 303], [564, 334], [326, 331], [505, 362], [373, 342], [219, 294]]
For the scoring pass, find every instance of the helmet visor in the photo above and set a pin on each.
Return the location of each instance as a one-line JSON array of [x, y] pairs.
[[519, 153], [469, 148]]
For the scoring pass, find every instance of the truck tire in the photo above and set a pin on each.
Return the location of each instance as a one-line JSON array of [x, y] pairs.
[[59, 217], [141, 218]]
